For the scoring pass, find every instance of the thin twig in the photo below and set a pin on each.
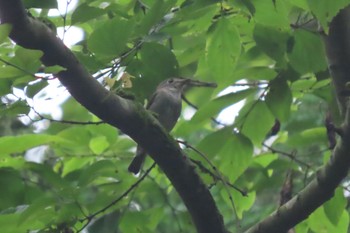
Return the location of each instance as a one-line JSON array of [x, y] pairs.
[[133, 186], [195, 107], [17, 67], [218, 173], [41, 117], [291, 156], [215, 177], [173, 209]]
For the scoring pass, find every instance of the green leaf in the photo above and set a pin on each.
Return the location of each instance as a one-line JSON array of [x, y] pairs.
[[54, 69], [5, 30], [135, 222], [106, 130], [279, 99], [76, 140], [41, 210], [75, 163], [10, 72], [159, 59], [84, 13], [256, 120], [223, 49], [157, 63], [335, 207], [91, 63], [154, 15], [47, 4], [190, 54], [325, 10], [28, 59], [255, 73], [271, 40], [35, 88], [308, 137], [300, 3], [214, 142], [17, 108], [5, 86], [11, 223], [18, 144], [271, 14], [242, 203], [215, 106], [318, 222], [304, 84], [98, 144], [47, 174], [308, 53], [302, 227], [235, 156], [111, 38], [97, 169], [265, 159], [245, 4], [108, 222], [12, 188], [13, 162], [254, 58]]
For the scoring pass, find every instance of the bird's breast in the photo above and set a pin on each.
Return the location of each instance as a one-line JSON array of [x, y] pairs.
[[168, 108]]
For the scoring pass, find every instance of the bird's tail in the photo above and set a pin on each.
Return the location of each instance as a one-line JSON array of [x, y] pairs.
[[137, 162]]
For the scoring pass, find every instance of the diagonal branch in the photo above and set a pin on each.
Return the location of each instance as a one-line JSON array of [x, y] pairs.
[[321, 189], [124, 114]]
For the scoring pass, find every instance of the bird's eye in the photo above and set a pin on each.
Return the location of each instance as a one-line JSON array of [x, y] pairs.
[[171, 80]]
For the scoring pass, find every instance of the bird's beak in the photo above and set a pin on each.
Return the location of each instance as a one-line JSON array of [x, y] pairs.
[[197, 83]]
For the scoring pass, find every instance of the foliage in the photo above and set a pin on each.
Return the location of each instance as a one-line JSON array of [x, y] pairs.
[[265, 53]]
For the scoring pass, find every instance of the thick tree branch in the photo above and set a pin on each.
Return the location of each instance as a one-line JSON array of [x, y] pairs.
[[321, 189], [338, 53], [124, 114]]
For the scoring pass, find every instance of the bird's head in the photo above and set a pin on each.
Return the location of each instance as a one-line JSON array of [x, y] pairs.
[[180, 84]]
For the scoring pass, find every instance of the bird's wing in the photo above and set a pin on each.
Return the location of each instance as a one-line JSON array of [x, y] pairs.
[[150, 100]]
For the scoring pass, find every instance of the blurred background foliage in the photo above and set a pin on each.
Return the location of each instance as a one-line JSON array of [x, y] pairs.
[[60, 166]]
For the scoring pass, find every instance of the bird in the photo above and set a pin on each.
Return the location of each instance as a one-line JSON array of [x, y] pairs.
[[166, 103]]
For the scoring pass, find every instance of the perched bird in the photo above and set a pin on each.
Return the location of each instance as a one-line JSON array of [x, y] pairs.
[[166, 103]]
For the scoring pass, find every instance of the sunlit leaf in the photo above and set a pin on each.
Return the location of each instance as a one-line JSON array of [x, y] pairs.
[[5, 30], [98, 144], [223, 49], [325, 10], [241, 202], [318, 222], [215, 106], [277, 15], [21, 143], [334, 208]]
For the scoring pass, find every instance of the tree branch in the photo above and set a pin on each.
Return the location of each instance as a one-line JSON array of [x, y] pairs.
[[124, 114], [338, 52], [321, 189]]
